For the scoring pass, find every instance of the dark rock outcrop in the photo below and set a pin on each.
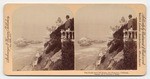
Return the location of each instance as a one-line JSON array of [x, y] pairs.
[[53, 46], [120, 54]]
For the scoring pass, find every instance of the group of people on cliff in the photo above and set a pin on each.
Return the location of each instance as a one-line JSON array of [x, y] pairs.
[[59, 22]]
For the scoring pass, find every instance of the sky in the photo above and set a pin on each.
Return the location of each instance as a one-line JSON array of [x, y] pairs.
[[94, 21], [30, 22]]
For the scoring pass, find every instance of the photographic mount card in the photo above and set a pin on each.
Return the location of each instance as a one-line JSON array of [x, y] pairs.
[[74, 39]]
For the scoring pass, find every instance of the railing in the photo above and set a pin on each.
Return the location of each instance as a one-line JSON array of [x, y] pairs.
[[130, 34], [67, 35]]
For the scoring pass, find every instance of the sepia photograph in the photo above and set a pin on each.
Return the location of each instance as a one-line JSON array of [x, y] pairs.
[[43, 38], [106, 38], [74, 39]]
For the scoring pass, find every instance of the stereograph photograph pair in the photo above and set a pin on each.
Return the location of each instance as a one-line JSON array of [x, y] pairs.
[[74, 39]]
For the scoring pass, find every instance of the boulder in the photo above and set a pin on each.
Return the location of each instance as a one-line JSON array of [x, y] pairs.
[[21, 42], [84, 41]]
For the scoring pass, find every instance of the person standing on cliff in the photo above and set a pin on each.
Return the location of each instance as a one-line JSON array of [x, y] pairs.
[[130, 22], [68, 22]]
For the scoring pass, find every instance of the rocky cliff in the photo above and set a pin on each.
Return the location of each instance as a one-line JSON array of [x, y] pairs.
[[120, 54], [57, 55]]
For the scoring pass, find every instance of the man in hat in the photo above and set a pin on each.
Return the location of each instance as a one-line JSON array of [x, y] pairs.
[[130, 22], [68, 22]]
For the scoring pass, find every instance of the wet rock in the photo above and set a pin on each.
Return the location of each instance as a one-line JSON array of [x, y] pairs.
[[84, 42]]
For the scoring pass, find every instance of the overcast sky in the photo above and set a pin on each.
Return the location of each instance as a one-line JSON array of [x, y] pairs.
[[31, 21], [94, 21]]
